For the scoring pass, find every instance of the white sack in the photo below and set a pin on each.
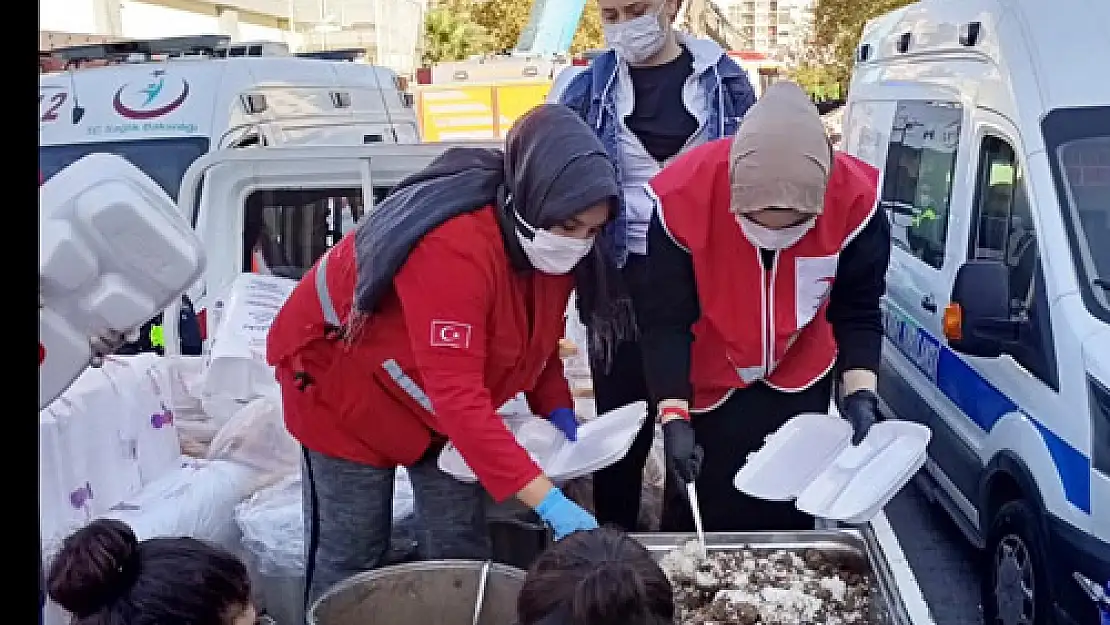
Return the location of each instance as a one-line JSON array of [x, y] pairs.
[[256, 437], [196, 500], [272, 523], [237, 369], [142, 384], [88, 454]]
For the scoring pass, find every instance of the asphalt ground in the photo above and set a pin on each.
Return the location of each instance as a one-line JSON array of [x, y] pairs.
[[946, 566]]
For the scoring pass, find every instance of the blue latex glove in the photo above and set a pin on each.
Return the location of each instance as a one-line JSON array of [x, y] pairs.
[[564, 419], [563, 515]]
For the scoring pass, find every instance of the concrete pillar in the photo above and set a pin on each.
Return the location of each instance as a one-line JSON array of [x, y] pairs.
[[228, 20], [109, 19]]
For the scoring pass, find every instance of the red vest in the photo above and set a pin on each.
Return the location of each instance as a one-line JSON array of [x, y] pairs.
[[758, 324]]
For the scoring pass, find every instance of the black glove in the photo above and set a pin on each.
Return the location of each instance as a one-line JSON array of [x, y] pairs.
[[861, 409], [683, 454]]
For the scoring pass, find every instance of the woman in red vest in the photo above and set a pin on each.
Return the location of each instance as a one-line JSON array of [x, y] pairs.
[[767, 259], [446, 302]]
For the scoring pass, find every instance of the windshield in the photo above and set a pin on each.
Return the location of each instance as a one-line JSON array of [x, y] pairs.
[[164, 160], [1078, 142]]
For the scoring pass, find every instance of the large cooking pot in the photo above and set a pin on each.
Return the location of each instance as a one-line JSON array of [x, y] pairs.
[[434, 592]]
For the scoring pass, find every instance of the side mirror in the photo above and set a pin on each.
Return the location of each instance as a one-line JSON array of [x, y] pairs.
[[978, 321]]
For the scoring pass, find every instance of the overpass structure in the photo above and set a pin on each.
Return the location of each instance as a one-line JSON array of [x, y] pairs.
[[389, 30]]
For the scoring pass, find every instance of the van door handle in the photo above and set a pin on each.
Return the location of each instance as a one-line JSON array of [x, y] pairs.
[[929, 304]]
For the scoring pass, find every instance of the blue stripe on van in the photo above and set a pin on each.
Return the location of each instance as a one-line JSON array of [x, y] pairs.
[[980, 400]]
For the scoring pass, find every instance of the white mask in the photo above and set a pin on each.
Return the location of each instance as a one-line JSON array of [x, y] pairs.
[[551, 253], [770, 238], [638, 39]]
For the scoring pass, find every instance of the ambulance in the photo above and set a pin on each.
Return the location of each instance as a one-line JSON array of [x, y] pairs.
[[163, 103], [991, 127]]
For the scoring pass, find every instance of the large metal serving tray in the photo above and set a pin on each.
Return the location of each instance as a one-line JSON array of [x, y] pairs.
[[854, 544]]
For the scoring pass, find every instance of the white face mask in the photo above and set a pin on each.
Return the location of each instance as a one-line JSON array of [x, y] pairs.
[[770, 238], [638, 39], [552, 253]]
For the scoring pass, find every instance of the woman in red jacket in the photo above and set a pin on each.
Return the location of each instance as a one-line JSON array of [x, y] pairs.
[[447, 301], [767, 259]]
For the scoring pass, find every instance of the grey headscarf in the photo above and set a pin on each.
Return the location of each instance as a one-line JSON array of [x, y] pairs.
[[553, 168]]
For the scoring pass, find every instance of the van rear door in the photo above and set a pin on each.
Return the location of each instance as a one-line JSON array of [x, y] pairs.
[[278, 209]]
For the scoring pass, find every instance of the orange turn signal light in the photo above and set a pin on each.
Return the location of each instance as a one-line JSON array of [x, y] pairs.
[[953, 322]]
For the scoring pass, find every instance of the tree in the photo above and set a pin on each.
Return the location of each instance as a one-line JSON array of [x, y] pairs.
[[504, 19], [837, 27], [589, 35], [450, 34], [817, 79]]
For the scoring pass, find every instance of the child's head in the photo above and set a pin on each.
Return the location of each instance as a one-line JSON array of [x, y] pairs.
[[599, 577], [103, 575]]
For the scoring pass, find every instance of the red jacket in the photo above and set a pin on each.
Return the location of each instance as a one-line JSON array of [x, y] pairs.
[[758, 324], [461, 331]]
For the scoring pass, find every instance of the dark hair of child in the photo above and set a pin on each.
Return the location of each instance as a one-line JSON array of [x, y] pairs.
[[103, 575], [597, 577]]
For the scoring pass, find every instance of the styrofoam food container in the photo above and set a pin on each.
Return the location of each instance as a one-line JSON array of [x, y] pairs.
[[811, 460], [113, 252], [601, 442]]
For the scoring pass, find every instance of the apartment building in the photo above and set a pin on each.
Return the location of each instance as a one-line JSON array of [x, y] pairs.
[[769, 26]]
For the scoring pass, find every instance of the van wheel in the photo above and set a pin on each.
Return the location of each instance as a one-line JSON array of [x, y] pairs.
[[1015, 578]]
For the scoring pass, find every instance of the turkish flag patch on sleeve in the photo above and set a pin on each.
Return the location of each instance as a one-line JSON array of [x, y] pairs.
[[450, 334]]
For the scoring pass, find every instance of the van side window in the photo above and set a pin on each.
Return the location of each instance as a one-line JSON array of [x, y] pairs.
[[1002, 230], [287, 230], [917, 183]]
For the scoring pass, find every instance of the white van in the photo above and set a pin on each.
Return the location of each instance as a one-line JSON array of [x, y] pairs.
[[276, 210], [990, 120], [163, 114]]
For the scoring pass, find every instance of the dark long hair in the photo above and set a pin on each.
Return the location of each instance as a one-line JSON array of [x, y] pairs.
[[599, 577], [103, 575]]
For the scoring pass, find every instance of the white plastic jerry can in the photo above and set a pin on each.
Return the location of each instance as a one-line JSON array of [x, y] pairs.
[[113, 252]]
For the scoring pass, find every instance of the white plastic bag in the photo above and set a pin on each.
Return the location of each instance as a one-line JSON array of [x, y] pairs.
[[576, 366], [272, 523], [195, 427], [256, 437], [186, 379]]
